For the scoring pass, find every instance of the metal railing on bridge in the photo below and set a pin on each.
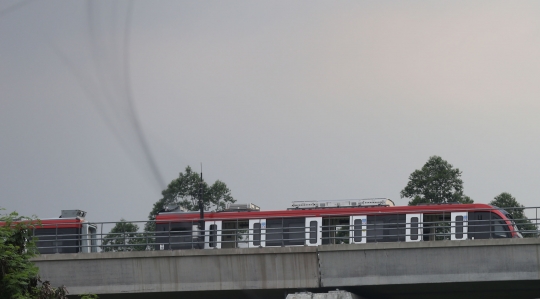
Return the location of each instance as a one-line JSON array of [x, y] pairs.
[[335, 229]]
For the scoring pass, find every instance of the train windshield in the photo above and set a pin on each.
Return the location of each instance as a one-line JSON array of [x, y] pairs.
[[509, 216]]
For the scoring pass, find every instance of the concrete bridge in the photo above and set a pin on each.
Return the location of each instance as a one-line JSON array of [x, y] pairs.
[[504, 268]]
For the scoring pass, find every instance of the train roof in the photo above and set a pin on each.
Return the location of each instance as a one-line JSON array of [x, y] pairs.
[[67, 219], [54, 223], [317, 212], [62, 222]]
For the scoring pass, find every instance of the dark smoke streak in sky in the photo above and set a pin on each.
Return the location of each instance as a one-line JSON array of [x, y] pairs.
[[135, 119]]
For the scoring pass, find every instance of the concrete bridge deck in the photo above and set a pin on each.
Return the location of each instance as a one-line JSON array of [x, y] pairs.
[[506, 268]]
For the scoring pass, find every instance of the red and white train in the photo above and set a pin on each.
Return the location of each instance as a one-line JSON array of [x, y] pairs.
[[307, 223], [314, 223], [69, 233]]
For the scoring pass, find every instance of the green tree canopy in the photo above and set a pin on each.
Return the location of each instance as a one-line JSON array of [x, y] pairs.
[[185, 192], [124, 236], [18, 275], [506, 201], [437, 182]]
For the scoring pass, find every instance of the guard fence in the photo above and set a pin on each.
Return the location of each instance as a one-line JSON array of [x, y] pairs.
[[334, 229]]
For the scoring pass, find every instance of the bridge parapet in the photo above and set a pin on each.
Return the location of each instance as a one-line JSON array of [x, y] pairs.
[[386, 266], [430, 262], [183, 270]]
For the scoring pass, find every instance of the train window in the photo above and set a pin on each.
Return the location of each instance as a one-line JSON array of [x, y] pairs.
[[182, 237], [286, 231], [313, 232], [212, 238], [175, 235], [459, 227], [375, 231], [478, 225], [485, 225], [386, 228], [58, 240], [500, 229], [294, 231], [274, 232], [414, 228], [257, 234], [358, 230]]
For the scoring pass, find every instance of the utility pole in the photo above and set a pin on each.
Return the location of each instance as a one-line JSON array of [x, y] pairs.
[[201, 204]]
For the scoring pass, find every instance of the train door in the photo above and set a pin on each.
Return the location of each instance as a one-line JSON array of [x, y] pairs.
[[358, 231], [235, 233], [212, 234], [413, 228], [313, 231], [458, 229], [257, 233], [336, 230]]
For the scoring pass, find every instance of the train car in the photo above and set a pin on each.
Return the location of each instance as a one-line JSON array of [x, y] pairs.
[[69, 233], [312, 223]]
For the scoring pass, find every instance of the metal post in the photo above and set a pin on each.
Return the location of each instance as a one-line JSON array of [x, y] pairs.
[[56, 238], [375, 228], [101, 235], [34, 235], [282, 232], [491, 233], [201, 207]]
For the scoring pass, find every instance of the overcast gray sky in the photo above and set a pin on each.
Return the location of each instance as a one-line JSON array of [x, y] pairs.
[[281, 100]]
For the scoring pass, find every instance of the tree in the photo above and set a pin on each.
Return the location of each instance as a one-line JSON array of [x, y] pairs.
[[124, 236], [18, 275], [437, 182], [506, 201], [185, 191]]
